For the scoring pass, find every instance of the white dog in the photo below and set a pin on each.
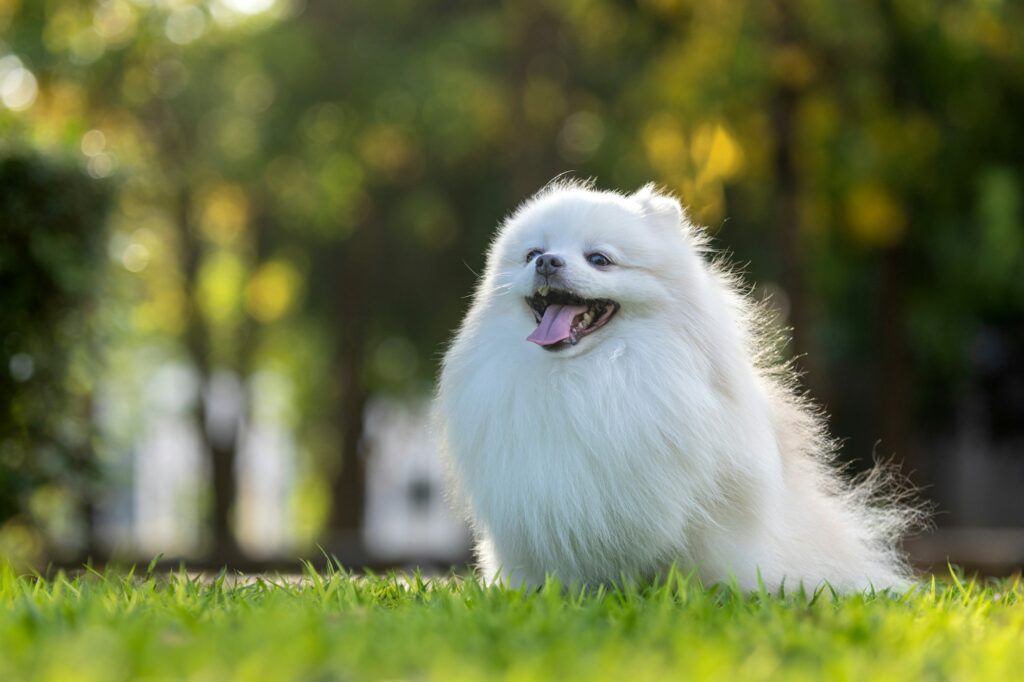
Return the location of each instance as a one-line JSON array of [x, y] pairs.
[[608, 411]]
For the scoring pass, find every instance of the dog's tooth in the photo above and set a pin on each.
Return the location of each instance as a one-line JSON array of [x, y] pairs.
[[587, 318], [543, 291]]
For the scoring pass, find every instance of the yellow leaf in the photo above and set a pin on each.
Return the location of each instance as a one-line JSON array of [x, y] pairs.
[[874, 215], [272, 290], [716, 153], [224, 213], [665, 144], [220, 284]]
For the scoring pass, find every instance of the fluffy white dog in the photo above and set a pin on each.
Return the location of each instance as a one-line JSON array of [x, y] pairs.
[[608, 411]]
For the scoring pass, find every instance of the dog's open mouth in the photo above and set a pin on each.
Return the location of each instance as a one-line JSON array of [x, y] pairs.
[[564, 318]]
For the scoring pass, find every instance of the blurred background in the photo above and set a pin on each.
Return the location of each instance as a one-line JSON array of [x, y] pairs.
[[236, 234]]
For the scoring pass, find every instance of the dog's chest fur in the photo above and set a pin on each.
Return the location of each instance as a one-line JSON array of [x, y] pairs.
[[588, 469]]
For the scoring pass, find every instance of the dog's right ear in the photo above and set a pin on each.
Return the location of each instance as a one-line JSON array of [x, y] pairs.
[[661, 208]]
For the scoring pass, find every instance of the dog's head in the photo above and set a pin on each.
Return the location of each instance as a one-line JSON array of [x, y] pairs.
[[576, 266]]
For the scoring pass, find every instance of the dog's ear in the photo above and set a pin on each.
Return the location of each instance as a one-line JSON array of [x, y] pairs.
[[662, 209]]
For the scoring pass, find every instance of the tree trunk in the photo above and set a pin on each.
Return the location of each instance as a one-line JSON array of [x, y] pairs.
[[356, 274], [224, 492], [788, 232], [893, 401], [349, 490], [894, 380], [222, 452], [534, 160]]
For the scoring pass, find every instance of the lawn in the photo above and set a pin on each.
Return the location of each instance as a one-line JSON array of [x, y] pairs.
[[334, 626]]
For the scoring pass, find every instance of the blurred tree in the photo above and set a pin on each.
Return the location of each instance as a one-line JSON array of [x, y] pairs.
[[310, 186], [131, 76], [51, 257]]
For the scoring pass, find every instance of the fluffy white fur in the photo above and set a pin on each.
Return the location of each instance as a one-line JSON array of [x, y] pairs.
[[665, 437]]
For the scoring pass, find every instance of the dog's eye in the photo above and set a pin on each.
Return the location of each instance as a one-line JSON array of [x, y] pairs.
[[533, 253], [598, 259]]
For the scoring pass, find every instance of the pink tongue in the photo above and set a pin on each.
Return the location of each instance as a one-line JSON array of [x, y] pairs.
[[556, 323]]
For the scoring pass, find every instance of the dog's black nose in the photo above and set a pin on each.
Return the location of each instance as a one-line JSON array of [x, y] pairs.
[[547, 264]]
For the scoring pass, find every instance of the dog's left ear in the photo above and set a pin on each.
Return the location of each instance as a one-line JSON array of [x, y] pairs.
[[661, 208]]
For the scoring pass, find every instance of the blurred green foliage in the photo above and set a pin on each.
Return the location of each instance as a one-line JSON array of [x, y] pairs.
[[310, 186], [52, 249]]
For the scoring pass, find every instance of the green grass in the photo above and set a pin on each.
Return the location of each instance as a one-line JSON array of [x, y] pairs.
[[335, 626]]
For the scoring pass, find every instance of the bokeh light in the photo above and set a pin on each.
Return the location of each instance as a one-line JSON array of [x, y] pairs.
[[18, 86]]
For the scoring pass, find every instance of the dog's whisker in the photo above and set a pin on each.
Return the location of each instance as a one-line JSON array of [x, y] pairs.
[[501, 289]]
